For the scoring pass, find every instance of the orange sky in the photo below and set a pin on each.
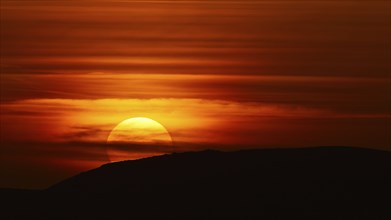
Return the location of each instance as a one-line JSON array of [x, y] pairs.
[[217, 74]]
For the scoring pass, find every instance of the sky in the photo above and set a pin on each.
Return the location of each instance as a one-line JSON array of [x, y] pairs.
[[222, 75]]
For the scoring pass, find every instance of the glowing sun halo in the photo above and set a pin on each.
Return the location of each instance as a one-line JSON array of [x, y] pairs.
[[136, 138]]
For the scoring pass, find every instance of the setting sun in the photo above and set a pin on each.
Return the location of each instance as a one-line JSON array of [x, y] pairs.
[[133, 134]]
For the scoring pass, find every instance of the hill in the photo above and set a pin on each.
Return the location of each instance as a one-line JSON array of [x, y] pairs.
[[313, 183]]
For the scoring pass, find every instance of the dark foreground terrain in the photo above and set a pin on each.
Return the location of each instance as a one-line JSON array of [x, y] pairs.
[[312, 183]]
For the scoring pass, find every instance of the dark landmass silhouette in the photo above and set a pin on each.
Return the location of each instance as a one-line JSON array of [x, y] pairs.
[[307, 183]]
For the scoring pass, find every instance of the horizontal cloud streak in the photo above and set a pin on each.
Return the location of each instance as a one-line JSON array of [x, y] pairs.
[[340, 38], [188, 120], [359, 95]]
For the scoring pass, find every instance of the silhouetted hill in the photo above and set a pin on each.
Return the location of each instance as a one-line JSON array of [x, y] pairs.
[[313, 183]]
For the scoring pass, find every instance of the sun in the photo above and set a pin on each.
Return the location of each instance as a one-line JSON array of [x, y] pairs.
[[136, 138]]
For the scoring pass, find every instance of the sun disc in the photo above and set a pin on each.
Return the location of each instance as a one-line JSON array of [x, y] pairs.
[[136, 138]]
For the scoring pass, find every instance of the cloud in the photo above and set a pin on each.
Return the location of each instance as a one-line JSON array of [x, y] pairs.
[[329, 38], [187, 120], [349, 95], [318, 54]]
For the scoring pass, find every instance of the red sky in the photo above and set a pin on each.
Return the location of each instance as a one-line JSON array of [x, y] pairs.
[[217, 74]]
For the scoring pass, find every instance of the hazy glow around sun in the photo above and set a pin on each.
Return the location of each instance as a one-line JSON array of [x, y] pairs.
[[134, 132]]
